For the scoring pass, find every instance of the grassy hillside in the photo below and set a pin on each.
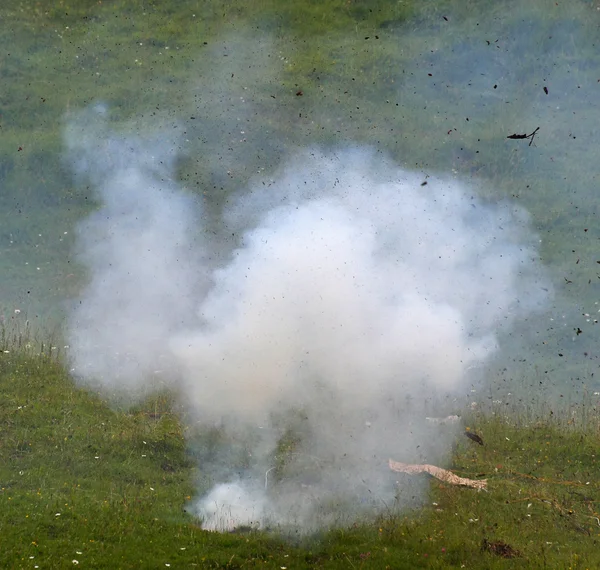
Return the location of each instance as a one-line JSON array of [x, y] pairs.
[[83, 484], [438, 85]]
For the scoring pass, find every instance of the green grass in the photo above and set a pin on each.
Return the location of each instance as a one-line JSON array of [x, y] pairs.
[[147, 60], [107, 487], [373, 91], [119, 478]]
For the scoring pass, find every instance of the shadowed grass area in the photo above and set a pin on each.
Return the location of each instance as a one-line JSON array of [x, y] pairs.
[[82, 481]]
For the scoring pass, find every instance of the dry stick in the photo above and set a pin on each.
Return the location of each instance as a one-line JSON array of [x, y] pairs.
[[439, 473]]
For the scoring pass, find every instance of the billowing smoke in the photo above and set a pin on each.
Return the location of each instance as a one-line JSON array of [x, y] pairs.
[[355, 298], [138, 247]]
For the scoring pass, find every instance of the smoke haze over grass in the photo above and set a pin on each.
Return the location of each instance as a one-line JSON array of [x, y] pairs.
[[355, 295]]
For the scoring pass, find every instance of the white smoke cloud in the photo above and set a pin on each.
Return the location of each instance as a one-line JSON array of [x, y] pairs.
[[139, 252], [355, 299], [230, 505]]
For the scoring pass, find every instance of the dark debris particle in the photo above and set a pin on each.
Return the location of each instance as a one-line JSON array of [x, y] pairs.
[[499, 548], [529, 136], [474, 437]]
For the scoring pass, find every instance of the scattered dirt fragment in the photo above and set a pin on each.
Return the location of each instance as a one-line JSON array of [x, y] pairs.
[[499, 548]]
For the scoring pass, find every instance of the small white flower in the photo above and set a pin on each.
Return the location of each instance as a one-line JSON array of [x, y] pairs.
[[75, 562], [57, 515]]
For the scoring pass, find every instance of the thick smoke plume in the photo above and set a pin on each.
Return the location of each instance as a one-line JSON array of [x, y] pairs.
[[357, 296]]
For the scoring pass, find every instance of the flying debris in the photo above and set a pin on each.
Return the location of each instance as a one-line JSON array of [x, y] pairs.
[[530, 136], [474, 437]]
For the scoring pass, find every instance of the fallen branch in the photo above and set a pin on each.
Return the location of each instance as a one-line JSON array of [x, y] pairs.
[[439, 473]]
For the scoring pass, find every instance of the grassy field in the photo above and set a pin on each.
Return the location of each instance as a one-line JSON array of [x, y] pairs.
[[438, 85], [394, 75], [89, 485]]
